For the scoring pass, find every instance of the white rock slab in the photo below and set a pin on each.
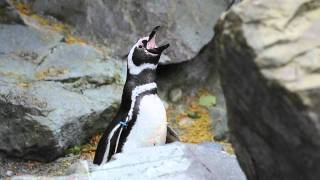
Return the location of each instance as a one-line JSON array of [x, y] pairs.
[[176, 161]]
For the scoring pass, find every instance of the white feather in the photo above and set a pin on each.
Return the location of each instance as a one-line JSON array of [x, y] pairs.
[[151, 124]]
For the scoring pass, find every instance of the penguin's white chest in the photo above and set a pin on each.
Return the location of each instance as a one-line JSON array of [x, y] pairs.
[[150, 127]]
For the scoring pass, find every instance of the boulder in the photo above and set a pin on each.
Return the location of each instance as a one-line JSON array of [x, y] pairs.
[[117, 24], [268, 55], [53, 95], [173, 161]]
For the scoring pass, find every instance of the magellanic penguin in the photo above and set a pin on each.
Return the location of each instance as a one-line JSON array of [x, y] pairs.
[[141, 119]]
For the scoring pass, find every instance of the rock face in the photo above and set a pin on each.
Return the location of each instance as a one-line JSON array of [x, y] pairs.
[[173, 161], [269, 64], [52, 94], [7, 14], [187, 25]]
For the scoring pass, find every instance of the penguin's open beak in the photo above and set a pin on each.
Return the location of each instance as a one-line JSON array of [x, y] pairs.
[[151, 45]]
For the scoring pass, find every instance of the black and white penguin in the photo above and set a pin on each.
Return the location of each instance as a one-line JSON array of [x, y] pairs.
[[141, 119]]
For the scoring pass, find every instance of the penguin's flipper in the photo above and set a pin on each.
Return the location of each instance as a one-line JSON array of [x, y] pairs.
[[172, 135], [108, 144]]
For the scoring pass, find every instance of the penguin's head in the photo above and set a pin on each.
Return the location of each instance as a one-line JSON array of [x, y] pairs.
[[145, 54]]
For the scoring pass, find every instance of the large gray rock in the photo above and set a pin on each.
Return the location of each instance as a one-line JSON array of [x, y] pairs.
[[187, 24], [52, 95], [27, 44], [173, 161], [269, 61]]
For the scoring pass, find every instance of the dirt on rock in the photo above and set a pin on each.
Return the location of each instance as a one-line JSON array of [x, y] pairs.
[[10, 166]]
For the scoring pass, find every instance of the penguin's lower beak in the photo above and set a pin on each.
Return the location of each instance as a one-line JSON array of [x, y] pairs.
[[151, 44]]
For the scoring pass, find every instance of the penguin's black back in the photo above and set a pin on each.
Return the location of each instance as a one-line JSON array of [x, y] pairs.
[[102, 145]]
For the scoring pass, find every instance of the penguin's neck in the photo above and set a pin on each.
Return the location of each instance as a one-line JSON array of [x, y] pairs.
[[143, 81], [146, 76]]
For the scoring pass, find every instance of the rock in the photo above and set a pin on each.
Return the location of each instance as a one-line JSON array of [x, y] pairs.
[[9, 173], [86, 62], [117, 24], [185, 121], [8, 15], [19, 166], [219, 117], [52, 95], [173, 161], [213, 146], [175, 95], [26, 43], [219, 123], [80, 167], [268, 56]]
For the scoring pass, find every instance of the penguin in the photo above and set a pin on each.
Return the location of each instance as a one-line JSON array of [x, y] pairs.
[[141, 119]]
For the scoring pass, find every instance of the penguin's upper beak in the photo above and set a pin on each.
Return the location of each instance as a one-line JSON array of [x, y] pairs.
[[151, 45]]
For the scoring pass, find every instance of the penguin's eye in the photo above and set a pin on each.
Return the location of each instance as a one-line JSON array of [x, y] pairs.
[[139, 46]]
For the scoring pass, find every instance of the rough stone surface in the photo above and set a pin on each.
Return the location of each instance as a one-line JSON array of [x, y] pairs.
[[219, 119], [52, 95], [173, 161], [269, 63], [19, 166], [8, 15], [187, 24], [175, 95]]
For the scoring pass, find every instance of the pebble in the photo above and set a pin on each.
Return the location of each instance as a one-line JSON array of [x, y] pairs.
[[175, 94], [9, 173], [185, 122]]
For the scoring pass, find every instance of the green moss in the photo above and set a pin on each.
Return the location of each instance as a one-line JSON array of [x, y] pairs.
[[207, 100], [74, 150]]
